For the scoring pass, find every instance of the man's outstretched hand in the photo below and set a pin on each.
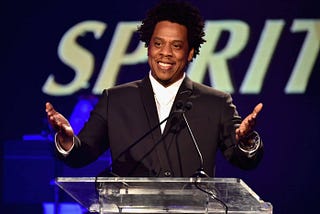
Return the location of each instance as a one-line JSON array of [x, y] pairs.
[[61, 125], [248, 123]]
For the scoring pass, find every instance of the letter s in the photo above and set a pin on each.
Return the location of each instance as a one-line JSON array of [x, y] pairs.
[[76, 57]]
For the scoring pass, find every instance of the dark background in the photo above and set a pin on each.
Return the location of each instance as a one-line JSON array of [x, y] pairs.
[[30, 34]]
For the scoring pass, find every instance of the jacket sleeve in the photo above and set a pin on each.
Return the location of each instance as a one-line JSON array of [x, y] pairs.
[[92, 140]]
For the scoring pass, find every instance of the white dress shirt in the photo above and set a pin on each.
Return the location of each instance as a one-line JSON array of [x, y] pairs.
[[164, 97]]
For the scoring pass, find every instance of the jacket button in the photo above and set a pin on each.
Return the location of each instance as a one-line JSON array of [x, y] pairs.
[[167, 173]]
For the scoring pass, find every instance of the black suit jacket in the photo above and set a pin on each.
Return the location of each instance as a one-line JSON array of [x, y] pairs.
[[127, 112]]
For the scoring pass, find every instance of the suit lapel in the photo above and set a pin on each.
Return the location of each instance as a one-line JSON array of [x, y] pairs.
[[147, 97], [161, 159]]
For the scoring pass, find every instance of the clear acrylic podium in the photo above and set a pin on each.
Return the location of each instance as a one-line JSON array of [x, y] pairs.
[[163, 195]]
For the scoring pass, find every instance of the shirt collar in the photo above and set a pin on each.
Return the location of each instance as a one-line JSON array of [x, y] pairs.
[[159, 89]]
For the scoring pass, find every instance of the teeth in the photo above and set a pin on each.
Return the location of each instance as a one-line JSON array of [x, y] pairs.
[[164, 64]]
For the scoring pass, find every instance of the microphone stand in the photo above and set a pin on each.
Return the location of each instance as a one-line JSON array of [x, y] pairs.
[[200, 172], [178, 111]]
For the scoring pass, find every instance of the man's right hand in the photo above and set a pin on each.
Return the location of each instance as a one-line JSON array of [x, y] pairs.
[[62, 126]]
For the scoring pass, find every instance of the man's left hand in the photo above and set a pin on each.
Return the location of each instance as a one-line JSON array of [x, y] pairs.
[[248, 123]]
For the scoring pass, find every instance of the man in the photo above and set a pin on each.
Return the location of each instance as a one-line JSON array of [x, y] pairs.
[[126, 118]]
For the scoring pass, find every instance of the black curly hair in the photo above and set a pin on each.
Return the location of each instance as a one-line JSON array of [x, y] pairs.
[[180, 12]]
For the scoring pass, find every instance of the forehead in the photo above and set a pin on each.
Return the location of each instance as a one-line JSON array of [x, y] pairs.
[[170, 31]]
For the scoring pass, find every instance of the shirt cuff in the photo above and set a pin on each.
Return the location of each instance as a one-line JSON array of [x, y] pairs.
[[250, 144], [60, 149]]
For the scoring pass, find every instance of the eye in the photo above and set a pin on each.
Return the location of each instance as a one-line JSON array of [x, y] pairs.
[[157, 44], [177, 46]]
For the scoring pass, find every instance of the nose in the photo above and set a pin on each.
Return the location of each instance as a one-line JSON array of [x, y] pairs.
[[166, 50]]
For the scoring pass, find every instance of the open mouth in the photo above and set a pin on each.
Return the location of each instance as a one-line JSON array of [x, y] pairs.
[[165, 66]]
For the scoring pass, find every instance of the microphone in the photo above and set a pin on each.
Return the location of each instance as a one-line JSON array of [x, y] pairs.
[[178, 110], [200, 172]]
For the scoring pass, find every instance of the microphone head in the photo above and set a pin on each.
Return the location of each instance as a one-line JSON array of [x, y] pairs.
[[188, 106], [182, 107], [179, 104], [179, 107]]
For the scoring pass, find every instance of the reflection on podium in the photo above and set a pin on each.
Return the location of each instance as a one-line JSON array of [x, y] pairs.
[[163, 195]]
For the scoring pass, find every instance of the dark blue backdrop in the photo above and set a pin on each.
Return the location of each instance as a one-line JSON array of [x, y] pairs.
[[31, 32]]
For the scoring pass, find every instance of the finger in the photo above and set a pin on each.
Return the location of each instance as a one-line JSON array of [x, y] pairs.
[[238, 133], [243, 127], [52, 114], [246, 125], [256, 110], [55, 120], [251, 118], [49, 107]]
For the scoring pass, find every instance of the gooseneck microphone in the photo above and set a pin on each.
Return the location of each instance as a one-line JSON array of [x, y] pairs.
[[200, 172], [178, 110]]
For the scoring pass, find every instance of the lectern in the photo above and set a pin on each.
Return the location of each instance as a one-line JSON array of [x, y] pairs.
[[163, 195]]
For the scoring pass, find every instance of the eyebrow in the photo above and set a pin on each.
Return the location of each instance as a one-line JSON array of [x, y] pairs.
[[177, 40]]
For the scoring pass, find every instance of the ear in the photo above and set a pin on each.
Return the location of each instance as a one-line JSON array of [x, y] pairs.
[[190, 56]]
